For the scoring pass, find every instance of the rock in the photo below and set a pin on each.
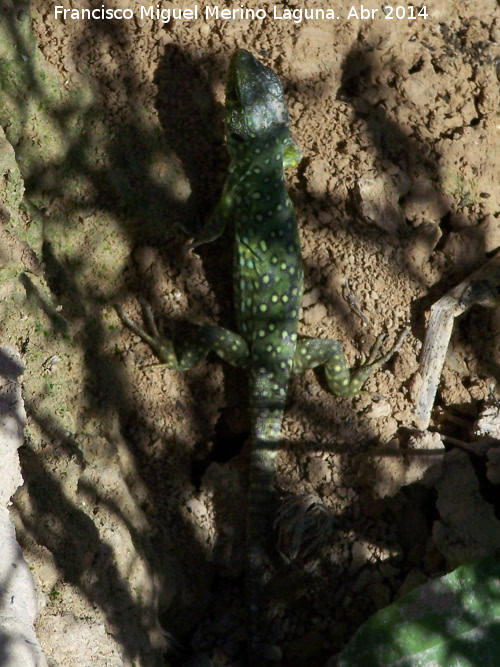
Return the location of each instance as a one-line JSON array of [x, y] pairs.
[[387, 468], [378, 409], [318, 471], [493, 465], [360, 555], [377, 200], [382, 470], [468, 527], [425, 203], [487, 426], [414, 578], [18, 605], [424, 457]]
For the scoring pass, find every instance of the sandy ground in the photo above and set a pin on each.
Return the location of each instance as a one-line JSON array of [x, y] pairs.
[[131, 517]]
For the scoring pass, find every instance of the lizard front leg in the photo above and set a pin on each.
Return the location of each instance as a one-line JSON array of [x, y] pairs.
[[341, 380], [229, 346]]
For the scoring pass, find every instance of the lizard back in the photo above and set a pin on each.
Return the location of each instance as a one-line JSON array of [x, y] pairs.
[[268, 283]]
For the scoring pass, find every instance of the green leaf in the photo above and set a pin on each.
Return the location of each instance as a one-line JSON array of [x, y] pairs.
[[451, 621]]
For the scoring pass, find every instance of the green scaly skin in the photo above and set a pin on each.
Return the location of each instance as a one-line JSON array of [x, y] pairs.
[[268, 291]]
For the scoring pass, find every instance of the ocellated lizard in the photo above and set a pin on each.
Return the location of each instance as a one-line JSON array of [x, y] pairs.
[[268, 292]]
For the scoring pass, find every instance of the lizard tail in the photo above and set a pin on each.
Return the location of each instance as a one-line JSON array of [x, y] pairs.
[[262, 467]]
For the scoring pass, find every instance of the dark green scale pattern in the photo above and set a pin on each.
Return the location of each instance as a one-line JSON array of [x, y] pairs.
[[268, 293], [268, 286]]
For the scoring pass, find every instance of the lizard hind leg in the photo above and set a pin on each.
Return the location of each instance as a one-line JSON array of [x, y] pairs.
[[229, 346], [341, 380], [373, 364]]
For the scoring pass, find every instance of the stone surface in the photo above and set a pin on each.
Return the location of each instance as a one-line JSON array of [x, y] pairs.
[[19, 645]]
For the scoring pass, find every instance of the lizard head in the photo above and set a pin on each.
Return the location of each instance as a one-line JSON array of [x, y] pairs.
[[255, 103]]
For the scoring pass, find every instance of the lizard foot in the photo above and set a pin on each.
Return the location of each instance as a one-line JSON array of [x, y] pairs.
[[162, 347]]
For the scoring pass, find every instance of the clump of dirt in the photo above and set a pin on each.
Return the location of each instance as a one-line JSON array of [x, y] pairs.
[[131, 513]]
